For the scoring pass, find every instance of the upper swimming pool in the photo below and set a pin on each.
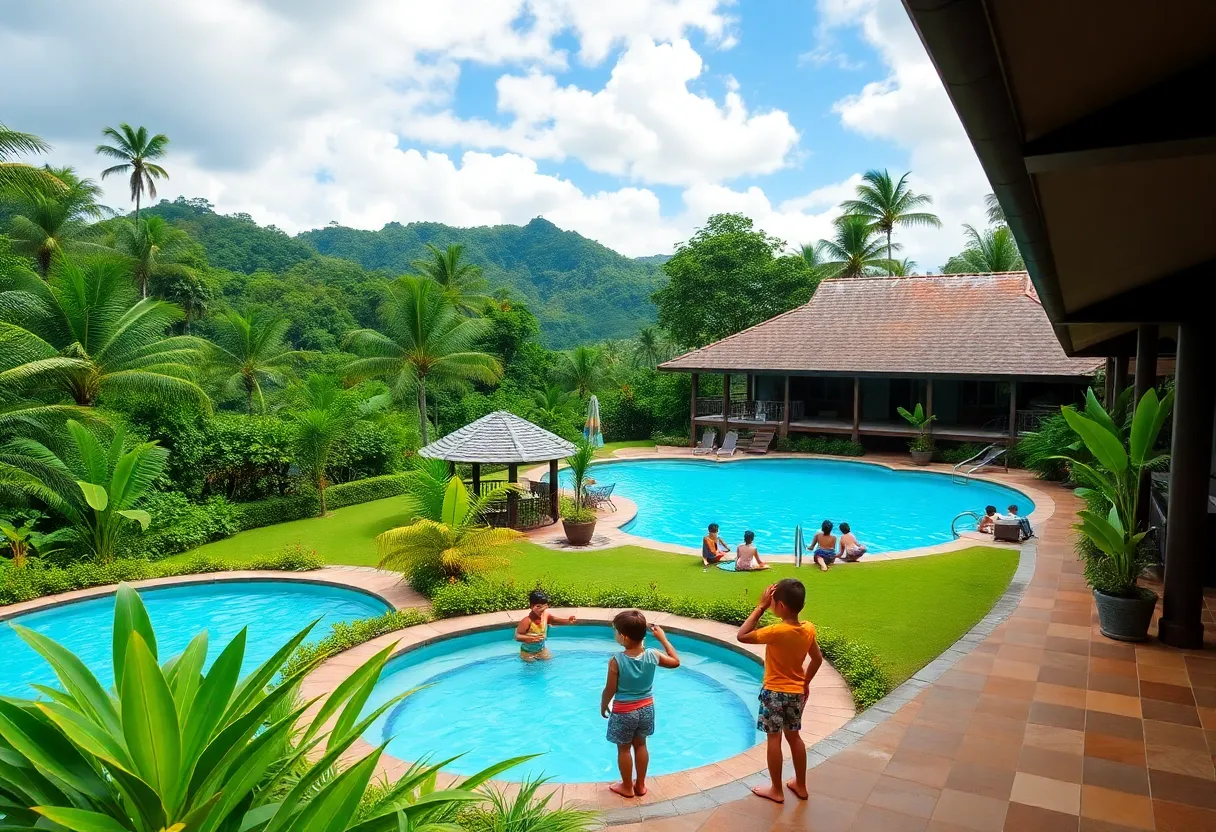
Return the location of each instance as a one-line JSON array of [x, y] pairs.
[[887, 509], [274, 611]]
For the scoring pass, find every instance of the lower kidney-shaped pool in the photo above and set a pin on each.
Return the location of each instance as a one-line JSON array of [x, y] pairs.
[[483, 702]]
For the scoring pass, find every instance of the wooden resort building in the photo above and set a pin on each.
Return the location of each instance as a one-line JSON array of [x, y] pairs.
[[977, 351]]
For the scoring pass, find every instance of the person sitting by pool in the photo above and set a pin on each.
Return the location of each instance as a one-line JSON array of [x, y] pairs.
[[1023, 522], [850, 549], [748, 556], [824, 546], [713, 548], [533, 630], [988, 521]]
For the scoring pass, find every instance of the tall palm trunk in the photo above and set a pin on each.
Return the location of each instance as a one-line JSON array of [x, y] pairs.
[[422, 410], [248, 396], [889, 261]]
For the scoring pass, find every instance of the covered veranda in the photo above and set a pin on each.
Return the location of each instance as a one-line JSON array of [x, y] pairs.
[[502, 438]]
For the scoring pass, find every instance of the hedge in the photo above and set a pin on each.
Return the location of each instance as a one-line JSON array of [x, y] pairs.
[[819, 445], [275, 510], [347, 634], [36, 580], [366, 490]]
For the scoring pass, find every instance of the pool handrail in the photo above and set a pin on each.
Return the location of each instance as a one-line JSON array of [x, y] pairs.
[[954, 522]]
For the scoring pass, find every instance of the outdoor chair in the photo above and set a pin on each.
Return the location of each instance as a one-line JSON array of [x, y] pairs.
[[707, 443], [761, 440], [599, 496], [730, 444], [1007, 531]]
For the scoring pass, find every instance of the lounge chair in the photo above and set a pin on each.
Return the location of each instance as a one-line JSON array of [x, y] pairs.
[[761, 440], [707, 443], [600, 495], [730, 443]]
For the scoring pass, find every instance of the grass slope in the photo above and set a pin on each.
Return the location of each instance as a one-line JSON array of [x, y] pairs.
[[909, 611]]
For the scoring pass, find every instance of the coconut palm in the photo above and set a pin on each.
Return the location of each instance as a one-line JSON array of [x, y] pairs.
[[813, 256], [55, 216], [328, 414], [135, 149], [96, 487], [902, 268], [996, 214], [887, 203], [650, 347], [856, 250], [553, 407], [186, 287], [422, 340], [585, 370], [462, 282], [994, 250], [459, 544], [17, 174], [156, 250], [85, 333], [249, 353]]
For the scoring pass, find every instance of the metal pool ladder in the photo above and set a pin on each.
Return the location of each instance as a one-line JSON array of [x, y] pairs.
[[960, 515], [986, 457]]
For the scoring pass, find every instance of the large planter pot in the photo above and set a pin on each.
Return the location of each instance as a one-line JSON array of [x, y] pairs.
[[578, 534], [1125, 619], [921, 457]]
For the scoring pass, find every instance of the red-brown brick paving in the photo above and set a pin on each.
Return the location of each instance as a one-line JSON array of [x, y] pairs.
[[1045, 726]]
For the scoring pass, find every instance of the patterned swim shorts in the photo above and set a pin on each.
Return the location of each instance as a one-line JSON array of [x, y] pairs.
[[780, 712], [623, 728]]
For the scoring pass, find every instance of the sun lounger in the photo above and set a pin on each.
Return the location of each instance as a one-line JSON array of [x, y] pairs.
[[761, 440], [707, 443], [730, 444]]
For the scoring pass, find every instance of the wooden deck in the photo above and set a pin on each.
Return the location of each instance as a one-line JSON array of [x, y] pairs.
[[953, 433]]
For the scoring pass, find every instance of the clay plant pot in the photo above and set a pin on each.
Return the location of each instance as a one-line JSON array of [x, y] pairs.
[[921, 457], [578, 534], [1125, 619]]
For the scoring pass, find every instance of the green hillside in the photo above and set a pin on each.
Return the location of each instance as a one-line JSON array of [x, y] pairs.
[[579, 290]]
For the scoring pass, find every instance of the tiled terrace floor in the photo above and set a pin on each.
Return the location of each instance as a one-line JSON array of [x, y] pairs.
[[1046, 726]]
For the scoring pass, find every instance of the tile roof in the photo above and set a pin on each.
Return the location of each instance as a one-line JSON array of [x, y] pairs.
[[499, 437], [965, 324]]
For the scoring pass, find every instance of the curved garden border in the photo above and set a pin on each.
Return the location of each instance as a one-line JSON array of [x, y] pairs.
[[832, 710]]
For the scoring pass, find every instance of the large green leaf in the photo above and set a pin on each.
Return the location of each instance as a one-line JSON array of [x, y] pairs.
[[185, 674], [256, 682], [138, 515], [95, 495], [90, 697], [1106, 447], [149, 724], [80, 820], [364, 680], [211, 701], [455, 503], [130, 616], [1141, 441], [49, 750], [332, 807]]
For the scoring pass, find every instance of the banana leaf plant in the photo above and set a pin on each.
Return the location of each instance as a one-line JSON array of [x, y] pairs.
[[917, 419], [174, 748], [1119, 458]]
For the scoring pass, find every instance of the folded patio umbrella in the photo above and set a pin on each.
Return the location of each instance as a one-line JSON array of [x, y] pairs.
[[798, 546], [591, 431]]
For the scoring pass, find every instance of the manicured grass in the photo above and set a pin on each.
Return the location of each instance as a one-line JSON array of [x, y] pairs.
[[609, 447], [909, 611]]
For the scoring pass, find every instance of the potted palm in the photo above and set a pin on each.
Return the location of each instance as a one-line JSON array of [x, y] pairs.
[[922, 446], [578, 519], [1110, 542]]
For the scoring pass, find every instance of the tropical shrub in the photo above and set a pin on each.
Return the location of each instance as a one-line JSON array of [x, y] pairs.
[[525, 811], [576, 510], [917, 419], [275, 510], [1043, 450], [364, 491], [247, 458], [179, 524], [176, 748], [347, 634], [824, 445]]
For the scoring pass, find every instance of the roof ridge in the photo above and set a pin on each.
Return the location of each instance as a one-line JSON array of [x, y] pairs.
[[519, 449], [875, 277]]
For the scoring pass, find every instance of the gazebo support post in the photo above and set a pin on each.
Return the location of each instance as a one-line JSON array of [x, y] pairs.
[[476, 479], [513, 497], [451, 468], [553, 490]]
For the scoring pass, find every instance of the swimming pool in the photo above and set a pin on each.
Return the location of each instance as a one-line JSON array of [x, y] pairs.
[[488, 705], [887, 509], [274, 611]]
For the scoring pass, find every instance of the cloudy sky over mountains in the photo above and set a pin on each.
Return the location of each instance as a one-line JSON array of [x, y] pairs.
[[629, 121]]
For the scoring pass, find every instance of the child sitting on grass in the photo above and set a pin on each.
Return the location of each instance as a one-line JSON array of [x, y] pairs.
[[629, 689], [787, 683], [533, 630]]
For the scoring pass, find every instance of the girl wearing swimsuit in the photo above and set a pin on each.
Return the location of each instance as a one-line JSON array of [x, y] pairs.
[[533, 630]]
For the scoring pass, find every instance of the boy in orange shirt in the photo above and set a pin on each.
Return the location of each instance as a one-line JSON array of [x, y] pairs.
[[787, 683]]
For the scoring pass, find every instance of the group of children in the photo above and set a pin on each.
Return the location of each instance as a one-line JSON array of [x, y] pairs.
[[791, 660], [988, 521], [823, 546]]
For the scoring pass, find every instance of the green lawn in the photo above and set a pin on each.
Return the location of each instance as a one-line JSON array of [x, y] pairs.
[[909, 611], [609, 447]]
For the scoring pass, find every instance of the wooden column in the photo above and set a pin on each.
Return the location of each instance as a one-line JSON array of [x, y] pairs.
[[929, 404], [553, 490], [477, 479], [751, 387], [1187, 548], [1120, 375], [513, 497], [856, 409], [1013, 412], [725, 403], [1109, 394], [451, 468], [1146, 379], [692, 435], [785, 421]]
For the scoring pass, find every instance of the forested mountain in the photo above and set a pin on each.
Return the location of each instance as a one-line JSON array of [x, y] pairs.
[[580, 290]]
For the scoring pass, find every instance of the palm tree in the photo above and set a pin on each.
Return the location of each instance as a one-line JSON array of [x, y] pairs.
[[902, 268], [812, 255], [458, 544], [249, 352], [552, 406], [887, 203], [17, 174], [996, 214], [650, 348], [96, 487], [327, 417], [462, 282], [422, 339], [187, 288], [85, 333], [855, 250], [55, 216], [155, 248], [994, 250], [584, 370], [135, 149]]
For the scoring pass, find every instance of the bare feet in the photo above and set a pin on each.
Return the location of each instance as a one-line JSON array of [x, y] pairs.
[[769, 793], [822, 568], [622, 790], [639, 789], [800, 791]]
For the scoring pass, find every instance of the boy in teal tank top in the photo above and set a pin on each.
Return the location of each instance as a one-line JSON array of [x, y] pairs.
[[630, 691]]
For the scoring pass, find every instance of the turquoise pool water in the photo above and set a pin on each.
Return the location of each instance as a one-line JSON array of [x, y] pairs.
[[484, 703], [887, 510], [274, 611]]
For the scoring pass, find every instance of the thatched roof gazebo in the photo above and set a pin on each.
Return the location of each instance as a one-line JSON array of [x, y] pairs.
[[502, 438]]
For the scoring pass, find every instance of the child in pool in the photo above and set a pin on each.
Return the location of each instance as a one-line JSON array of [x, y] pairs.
[[988, 521], [629, 689], [534, 628], [850, 549], [824, 546]]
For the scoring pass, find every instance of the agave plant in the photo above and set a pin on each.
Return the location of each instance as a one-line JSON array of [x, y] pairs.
[[175, 749]]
